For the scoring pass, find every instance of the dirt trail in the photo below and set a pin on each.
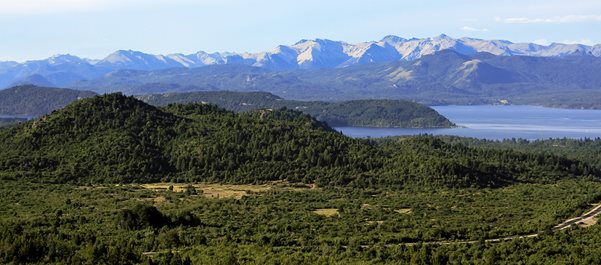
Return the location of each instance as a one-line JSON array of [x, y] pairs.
[[586, 218]]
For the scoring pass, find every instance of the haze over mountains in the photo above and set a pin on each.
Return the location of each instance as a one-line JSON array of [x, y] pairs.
[[31, 101], [446, 77], [66, 70]]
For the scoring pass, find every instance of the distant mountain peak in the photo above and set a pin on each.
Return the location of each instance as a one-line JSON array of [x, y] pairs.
[[302, 41], [318, 53], [34, 80], [442, 36], [392, 39], [65, 58]]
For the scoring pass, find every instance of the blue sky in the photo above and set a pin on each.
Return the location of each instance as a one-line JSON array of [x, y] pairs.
[[35, 29]]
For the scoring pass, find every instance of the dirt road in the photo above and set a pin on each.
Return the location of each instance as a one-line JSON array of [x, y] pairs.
[[585, 218]]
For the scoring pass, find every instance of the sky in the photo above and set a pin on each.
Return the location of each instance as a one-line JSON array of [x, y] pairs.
[[37, 29]]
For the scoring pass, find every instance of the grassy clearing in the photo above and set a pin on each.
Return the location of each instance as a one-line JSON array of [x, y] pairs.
[[327, 212], [226, 191]]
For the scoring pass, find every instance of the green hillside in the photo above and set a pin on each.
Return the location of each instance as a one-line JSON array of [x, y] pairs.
[[114, 138], [113, 180], [4, 122], [362, 113], [33, 101]]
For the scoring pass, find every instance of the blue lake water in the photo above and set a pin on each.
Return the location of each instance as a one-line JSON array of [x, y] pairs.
[[502, 122]]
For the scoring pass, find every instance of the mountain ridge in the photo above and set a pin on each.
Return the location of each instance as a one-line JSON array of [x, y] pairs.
[[32, 101], [360, 113], [446, 77], [64, 70]]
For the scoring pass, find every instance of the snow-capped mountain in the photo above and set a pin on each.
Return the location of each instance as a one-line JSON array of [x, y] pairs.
[[446, 77], [139, 61], [63, 70], [59, 70], [596, 50]]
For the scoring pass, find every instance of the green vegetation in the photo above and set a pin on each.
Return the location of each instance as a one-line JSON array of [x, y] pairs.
[[588, 150], [5, 122], [68, 224], [71, 191], [363, 113], [33, 101], [118, 139]]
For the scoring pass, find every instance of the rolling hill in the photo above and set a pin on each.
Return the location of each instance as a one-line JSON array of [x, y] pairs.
[[365, 113], [33, 101], [119, 139]]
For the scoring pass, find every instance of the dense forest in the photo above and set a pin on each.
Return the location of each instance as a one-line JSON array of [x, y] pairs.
[[114, 180], [588, 150], [114, 139], [31, 101], [363, 113]]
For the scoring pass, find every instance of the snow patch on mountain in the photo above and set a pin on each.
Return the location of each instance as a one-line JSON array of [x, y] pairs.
[[305, 54]]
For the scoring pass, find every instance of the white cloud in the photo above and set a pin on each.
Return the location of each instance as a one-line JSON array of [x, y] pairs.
[[544, 42], [582, 41], [471, 29], [561, 19]]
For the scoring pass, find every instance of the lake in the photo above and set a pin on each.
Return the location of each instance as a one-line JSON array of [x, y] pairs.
[[502, 122]]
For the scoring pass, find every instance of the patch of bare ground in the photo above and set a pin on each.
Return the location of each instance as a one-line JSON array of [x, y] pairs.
[[327, 212], [222, 191], [403, 211], [588, 222]]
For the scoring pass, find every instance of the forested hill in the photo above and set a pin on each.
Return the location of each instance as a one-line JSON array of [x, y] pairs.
[[117, 139], [364, 113], [33, 101], [4, 122], [114, 138]]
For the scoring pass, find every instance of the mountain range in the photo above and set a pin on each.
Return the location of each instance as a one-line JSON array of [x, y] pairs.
[[66, 70], [447, 77]]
